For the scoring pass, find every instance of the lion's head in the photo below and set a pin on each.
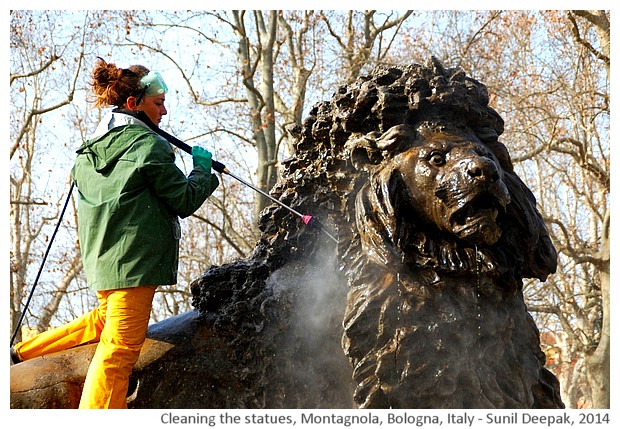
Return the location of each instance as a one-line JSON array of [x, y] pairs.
[[438, 196], [446, 183]]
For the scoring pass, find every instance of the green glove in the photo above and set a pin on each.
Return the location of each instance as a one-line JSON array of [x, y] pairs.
[[202, 158]]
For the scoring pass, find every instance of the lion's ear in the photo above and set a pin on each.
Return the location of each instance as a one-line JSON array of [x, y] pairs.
[[397, 137], [370, 149], [363, 152]]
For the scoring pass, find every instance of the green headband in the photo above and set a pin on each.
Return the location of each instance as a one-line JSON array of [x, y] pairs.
[[154, 84]]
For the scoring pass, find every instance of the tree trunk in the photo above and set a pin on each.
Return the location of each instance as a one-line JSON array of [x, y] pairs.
[[598, 362], [267, 173]]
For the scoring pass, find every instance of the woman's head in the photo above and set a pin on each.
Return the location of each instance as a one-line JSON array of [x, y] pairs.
[[133, 88]]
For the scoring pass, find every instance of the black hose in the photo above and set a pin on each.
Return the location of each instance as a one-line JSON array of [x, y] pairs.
[[36, 280]]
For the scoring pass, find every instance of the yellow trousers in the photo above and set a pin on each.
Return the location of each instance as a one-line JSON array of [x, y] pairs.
[[119, 324]]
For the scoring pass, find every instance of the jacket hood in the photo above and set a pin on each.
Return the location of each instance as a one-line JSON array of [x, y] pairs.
[[102, 149]]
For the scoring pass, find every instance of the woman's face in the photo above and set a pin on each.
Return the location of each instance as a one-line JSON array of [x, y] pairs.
[[153, 107]]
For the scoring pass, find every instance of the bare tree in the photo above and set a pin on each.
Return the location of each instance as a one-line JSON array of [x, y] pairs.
[[360, 34], [591, 151], [37, 91], [562, 124]]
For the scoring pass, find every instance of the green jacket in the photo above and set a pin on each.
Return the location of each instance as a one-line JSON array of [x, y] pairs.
[[131, 195]]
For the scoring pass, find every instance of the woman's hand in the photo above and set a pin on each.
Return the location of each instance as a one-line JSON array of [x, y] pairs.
[[202, 158]]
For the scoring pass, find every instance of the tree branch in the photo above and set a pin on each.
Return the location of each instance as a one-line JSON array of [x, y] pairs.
[[577, 34], [14, 76]]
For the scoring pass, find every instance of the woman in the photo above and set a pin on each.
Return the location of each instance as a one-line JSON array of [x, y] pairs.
[[131, 195]]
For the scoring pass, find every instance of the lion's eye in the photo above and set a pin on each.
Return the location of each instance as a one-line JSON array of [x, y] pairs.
[[437, 158]]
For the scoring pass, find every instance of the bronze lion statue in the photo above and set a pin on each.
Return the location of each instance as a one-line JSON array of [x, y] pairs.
[[418, 305]]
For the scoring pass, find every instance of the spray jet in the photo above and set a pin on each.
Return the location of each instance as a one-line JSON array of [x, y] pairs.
[[221, 168]]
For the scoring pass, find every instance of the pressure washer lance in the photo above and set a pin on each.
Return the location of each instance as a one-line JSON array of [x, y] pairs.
[[306, 219], [221, 168]]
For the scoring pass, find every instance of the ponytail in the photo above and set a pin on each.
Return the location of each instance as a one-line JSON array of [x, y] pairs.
[[112, 85]]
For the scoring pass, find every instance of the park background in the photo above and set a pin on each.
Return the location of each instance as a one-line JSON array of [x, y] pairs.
[[237, 79]]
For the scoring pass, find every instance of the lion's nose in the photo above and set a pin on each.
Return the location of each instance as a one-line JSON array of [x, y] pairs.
[[482, 169]]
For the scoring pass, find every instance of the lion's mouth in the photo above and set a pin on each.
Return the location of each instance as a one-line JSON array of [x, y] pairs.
[[477, 219]]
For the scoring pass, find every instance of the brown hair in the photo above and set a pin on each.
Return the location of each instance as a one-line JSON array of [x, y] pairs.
[[112, 85]]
